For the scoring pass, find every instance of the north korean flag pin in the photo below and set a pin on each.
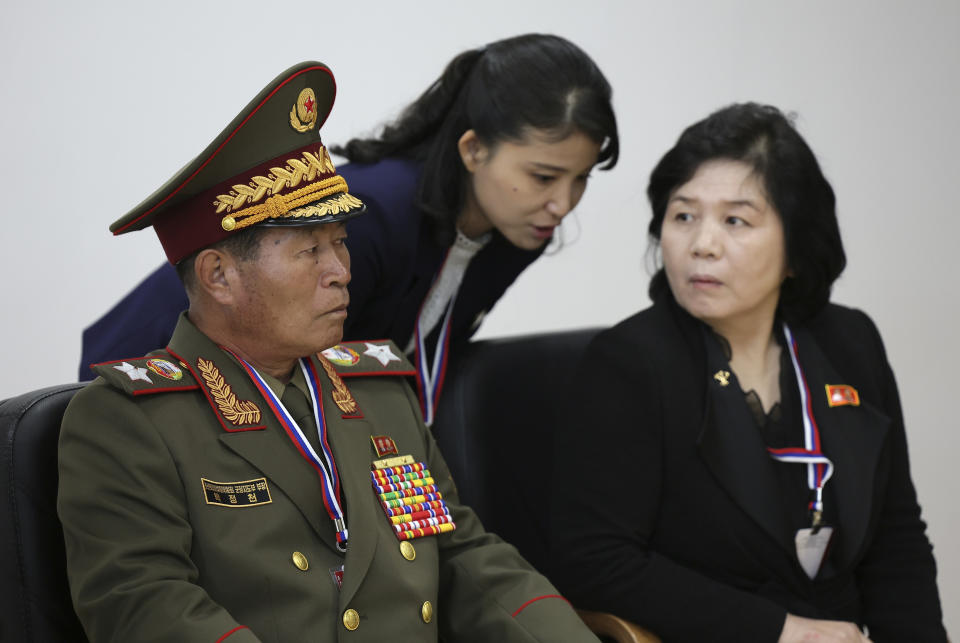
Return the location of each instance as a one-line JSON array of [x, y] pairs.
[[336, 573], [842, 395], [384, 445]]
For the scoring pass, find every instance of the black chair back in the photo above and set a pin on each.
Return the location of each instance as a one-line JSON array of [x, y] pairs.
[[35, 606], [495, 423]]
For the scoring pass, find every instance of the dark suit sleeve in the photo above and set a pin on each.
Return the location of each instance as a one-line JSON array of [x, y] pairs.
[[140, 322], [126, 529], [382, 242], [607, 500], [897, 577], [368, 238]]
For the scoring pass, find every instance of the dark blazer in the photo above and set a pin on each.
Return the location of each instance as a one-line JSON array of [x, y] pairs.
[[672, 519], [394, 259]]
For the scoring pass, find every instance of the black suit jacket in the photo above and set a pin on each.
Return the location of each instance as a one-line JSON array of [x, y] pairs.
[[667, 509]]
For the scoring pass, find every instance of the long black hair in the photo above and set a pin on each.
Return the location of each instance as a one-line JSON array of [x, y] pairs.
[[501, 91], [763, 138]]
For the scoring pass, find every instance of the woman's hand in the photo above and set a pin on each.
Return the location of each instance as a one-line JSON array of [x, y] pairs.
[[797, 629]]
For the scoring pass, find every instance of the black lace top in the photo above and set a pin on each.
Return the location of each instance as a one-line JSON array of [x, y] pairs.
[[780, 427]]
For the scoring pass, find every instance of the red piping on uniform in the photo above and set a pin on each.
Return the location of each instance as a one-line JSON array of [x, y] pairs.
[[115, 361], [148, 391], [152, 390], [259, 427], [237, 129], [239, 627], [365, 373], [213, 406], [362, 341], [534, 600]]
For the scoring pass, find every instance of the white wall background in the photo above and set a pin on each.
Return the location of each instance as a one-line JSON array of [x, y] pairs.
[[102, 101]]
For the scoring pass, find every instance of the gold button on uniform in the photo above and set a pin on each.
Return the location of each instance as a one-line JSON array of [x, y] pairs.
[[351, 620], [427, 611], [407, 550], [300, 561]]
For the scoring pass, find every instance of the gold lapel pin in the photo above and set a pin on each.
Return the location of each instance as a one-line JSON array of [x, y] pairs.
[[723, 377]]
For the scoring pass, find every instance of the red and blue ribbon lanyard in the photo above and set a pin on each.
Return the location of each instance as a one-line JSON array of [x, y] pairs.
[[819, 467], [324, 466], [430, 380]]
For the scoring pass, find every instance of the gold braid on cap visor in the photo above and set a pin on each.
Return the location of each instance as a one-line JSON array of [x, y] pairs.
[[281, 206]]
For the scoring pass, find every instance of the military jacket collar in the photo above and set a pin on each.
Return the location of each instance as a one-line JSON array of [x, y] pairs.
[[252, 430], [250, 427]]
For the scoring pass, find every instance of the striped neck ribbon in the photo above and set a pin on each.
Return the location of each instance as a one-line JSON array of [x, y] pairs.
[[430, 376], [323, 463], [819, 467]]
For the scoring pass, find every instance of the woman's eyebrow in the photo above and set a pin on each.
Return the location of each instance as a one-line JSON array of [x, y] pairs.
[[548, 166], [727, 202]]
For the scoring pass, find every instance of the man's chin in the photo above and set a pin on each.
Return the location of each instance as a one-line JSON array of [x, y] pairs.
[[330, 339]]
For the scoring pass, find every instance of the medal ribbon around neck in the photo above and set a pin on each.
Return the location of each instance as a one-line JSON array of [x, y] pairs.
[[819, 468], [325, 467], [430, 381]]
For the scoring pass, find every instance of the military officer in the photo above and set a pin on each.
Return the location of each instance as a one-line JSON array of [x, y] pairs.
[[255, 480]]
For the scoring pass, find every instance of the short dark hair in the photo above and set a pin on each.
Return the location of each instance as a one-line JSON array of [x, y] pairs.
[[764, 138], [501, 91], [244, 245]]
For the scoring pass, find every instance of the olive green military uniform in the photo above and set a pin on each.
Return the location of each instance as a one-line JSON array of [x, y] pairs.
[[190, 508], [189, 515]]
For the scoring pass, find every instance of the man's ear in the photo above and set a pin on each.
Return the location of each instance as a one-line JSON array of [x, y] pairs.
[[215, 273], [472, 150]]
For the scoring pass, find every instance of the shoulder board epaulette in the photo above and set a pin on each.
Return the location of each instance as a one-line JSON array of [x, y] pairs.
[[150, 374], [356, 359]]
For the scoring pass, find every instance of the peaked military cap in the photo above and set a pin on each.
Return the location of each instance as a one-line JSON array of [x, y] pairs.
[[268, 167]]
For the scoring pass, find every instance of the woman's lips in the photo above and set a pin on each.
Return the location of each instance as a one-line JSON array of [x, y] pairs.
[[704, 281], [543, 232]]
